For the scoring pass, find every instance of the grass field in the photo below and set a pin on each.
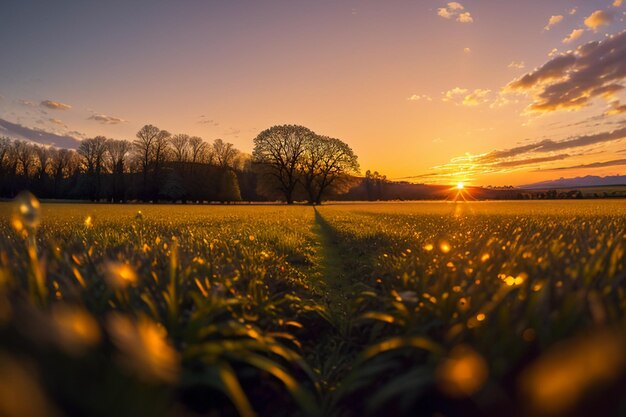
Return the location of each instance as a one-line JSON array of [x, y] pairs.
[[425, 309]]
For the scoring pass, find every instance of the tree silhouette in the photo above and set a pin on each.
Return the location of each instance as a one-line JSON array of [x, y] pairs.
[[325, 161], [93, 152], [144, 150], [118, 151], [229, 187], [180, 147], [278, 154], [224, 153]]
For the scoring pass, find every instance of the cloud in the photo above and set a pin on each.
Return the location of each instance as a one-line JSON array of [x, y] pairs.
[[530, 161], [616, 108], [573, 10], [476, 97], [465, 17], [27, 103], [18, 131], [209, 122], [502, 99], [455, 10], [570, 81], [466, 97], [106, 120], [418, 97], [520, 157], [574, 34], [454, 94], [602, 164], [517, 65], [553, 21], [598, 18], [57, 122], [549, 145], [554, 52], [55, 105], [617, 3]]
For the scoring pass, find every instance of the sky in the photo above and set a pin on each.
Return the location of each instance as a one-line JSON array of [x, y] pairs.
[[490, 92]]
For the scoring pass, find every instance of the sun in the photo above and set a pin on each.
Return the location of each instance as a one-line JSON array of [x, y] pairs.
[[460, 185]]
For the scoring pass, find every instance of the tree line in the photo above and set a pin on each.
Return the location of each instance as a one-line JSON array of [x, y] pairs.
[[155, 166], [289, 162]]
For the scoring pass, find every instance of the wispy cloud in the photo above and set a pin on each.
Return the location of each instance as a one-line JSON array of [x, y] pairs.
[[570, 81], [553, 21], [574, 34], [27, 103], [466, 97], [419, 97], [106, 120], [203, 120], [455, 10], [41, 136], [517, 65], [616, 108], [454, 95], [55, 105], [57, 122], [601, 164], [598, 18], [476, 97], [531, 155]]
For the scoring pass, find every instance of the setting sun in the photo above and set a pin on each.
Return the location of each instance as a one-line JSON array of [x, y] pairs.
[[460, 185]]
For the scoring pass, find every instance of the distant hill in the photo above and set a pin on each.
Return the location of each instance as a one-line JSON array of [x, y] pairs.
[[587, 181]]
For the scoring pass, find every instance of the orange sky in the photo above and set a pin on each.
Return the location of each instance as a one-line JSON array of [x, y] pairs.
[[485, 91]]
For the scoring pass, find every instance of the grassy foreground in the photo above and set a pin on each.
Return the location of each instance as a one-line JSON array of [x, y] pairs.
[[433, 309]]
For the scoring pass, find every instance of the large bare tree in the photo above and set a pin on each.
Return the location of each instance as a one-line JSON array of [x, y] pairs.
[[24, 153], [93, 152], [180, 147], [144, 149], [326, 161], [224, 153], [5, 153], [118, 151], [42, 158], [278, 153], [61, 161]]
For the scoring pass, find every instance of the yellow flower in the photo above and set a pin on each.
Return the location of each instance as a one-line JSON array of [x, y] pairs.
[[26, 212], [89, 221], [444, 246], [145, 348], [119, 274], [75, 328]]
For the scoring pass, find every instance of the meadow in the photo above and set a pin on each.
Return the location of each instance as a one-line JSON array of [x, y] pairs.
[[421, 309]]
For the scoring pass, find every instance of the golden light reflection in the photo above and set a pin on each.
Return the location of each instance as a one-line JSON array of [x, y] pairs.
[[119, 274], [463, 373], [145, 348], [559, 378]]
